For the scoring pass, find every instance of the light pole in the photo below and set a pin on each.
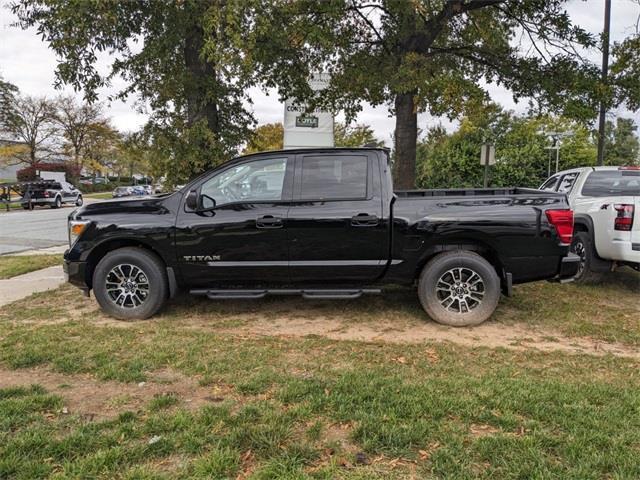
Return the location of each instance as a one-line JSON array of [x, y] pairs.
[[556, 138], [604, 79]]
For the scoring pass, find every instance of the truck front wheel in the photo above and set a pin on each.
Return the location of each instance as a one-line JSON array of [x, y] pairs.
[[459, 288], [130, 283]]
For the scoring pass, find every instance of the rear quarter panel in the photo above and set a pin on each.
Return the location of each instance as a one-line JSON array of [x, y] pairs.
[[514, 228]]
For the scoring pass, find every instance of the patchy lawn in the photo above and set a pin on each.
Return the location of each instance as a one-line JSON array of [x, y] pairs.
[[13, 265], [100, 195], [286, 388]]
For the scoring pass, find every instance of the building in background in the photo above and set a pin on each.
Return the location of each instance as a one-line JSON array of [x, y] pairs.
[[308, 129]]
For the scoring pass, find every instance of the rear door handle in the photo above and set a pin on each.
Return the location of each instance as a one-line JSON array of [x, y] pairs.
[[269, 221], [364, 220]]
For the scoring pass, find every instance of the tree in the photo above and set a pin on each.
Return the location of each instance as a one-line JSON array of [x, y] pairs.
[[101, 147], [624, 88], [187, 64], [266, 137], [448, 160], [622, 146], [29, 121], [136, 156], [357, 135], [8, 92], [76, 121], [431, 56]]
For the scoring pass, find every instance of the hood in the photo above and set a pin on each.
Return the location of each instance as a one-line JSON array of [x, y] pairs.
[[124, 206]]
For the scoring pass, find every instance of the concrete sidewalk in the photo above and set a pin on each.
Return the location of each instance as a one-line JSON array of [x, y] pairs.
[[22, 286]]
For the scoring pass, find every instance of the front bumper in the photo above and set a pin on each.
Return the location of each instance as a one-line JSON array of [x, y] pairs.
[[75, 274]]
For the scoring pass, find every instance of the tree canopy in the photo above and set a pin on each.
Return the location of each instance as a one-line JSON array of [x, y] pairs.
[[183, 59], [192, 62], [446, 160], [434, 56]]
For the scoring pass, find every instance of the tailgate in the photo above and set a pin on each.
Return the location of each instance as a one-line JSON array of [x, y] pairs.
[[635, 231]]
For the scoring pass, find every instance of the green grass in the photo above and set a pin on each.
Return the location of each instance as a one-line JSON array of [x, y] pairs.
[[12, 206], [608, 309], [12, 265], [310, 407], [100, 195], [477, 413]]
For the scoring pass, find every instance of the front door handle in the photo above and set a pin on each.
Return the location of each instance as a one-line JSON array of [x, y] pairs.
[[364, 220], [269, 221]]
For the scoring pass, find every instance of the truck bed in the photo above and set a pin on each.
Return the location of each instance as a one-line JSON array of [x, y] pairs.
[[468, 192]]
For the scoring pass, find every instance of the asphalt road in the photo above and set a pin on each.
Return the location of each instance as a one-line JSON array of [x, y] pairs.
[[43, 227]]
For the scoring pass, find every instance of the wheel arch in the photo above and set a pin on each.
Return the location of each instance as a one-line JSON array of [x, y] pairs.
[[100, 250], [483, 249], [583, 223]]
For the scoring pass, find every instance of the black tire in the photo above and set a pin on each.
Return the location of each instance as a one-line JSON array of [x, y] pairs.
[[447, 306], [79, 201], [57, 203], [112, 302], [582, 246]]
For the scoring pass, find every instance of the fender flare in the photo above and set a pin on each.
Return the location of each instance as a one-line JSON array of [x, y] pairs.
[[598, 263], [586, 221]]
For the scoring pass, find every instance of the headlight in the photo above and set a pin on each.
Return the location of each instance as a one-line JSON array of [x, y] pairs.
[[76, 227]]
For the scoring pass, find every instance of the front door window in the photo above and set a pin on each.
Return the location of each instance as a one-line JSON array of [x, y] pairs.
[[259, 181]]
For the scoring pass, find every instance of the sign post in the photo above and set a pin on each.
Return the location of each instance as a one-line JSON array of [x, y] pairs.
[[303, 129], [487, 157]]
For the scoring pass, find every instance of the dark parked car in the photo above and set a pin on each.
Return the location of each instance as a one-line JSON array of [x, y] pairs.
[[324, 224], [52, 193]]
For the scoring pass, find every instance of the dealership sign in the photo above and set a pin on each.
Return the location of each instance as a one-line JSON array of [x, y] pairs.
[[307, 129]]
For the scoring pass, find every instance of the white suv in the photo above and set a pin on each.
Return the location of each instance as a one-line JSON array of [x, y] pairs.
[[604, 201]]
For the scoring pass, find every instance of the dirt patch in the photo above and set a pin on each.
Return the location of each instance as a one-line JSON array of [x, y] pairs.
[[397, 318], [93, 399], [489, 334]]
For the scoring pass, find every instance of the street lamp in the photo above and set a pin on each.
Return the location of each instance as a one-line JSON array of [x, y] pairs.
[[556, 139]]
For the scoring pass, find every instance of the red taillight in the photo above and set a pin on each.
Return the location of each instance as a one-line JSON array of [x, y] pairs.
[[624, 217], [562, 220], [45, 193]]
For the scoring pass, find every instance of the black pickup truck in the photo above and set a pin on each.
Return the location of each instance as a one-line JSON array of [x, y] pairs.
[[322, 223]]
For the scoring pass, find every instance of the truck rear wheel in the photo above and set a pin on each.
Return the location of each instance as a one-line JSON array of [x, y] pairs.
[[130, 284], [459, 289]]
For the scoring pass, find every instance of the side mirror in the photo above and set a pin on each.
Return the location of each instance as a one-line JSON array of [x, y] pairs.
[[199, 203], [192, 200]]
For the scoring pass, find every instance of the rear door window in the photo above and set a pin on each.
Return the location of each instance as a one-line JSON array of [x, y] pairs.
[[335, 177], [567, 181], [550, 184], [605, 183]]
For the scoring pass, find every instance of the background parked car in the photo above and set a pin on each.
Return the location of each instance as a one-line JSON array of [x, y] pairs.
[[52, 193], [605, 201], [138, 190], [120, 192]]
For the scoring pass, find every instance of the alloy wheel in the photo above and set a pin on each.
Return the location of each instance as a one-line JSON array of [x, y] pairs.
[[460, 290], [127, 285]]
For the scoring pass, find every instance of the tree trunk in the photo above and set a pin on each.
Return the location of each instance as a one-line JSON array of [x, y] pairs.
[[202, 73], [406, 136]]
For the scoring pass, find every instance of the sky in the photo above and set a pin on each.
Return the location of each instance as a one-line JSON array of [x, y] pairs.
[[27, 62]]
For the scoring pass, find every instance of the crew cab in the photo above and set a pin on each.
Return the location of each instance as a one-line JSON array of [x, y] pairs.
[[605, 201], [52, 193], [324, 224]]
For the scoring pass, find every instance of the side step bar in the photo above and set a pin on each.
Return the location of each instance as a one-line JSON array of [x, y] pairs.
[[310, 293]]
